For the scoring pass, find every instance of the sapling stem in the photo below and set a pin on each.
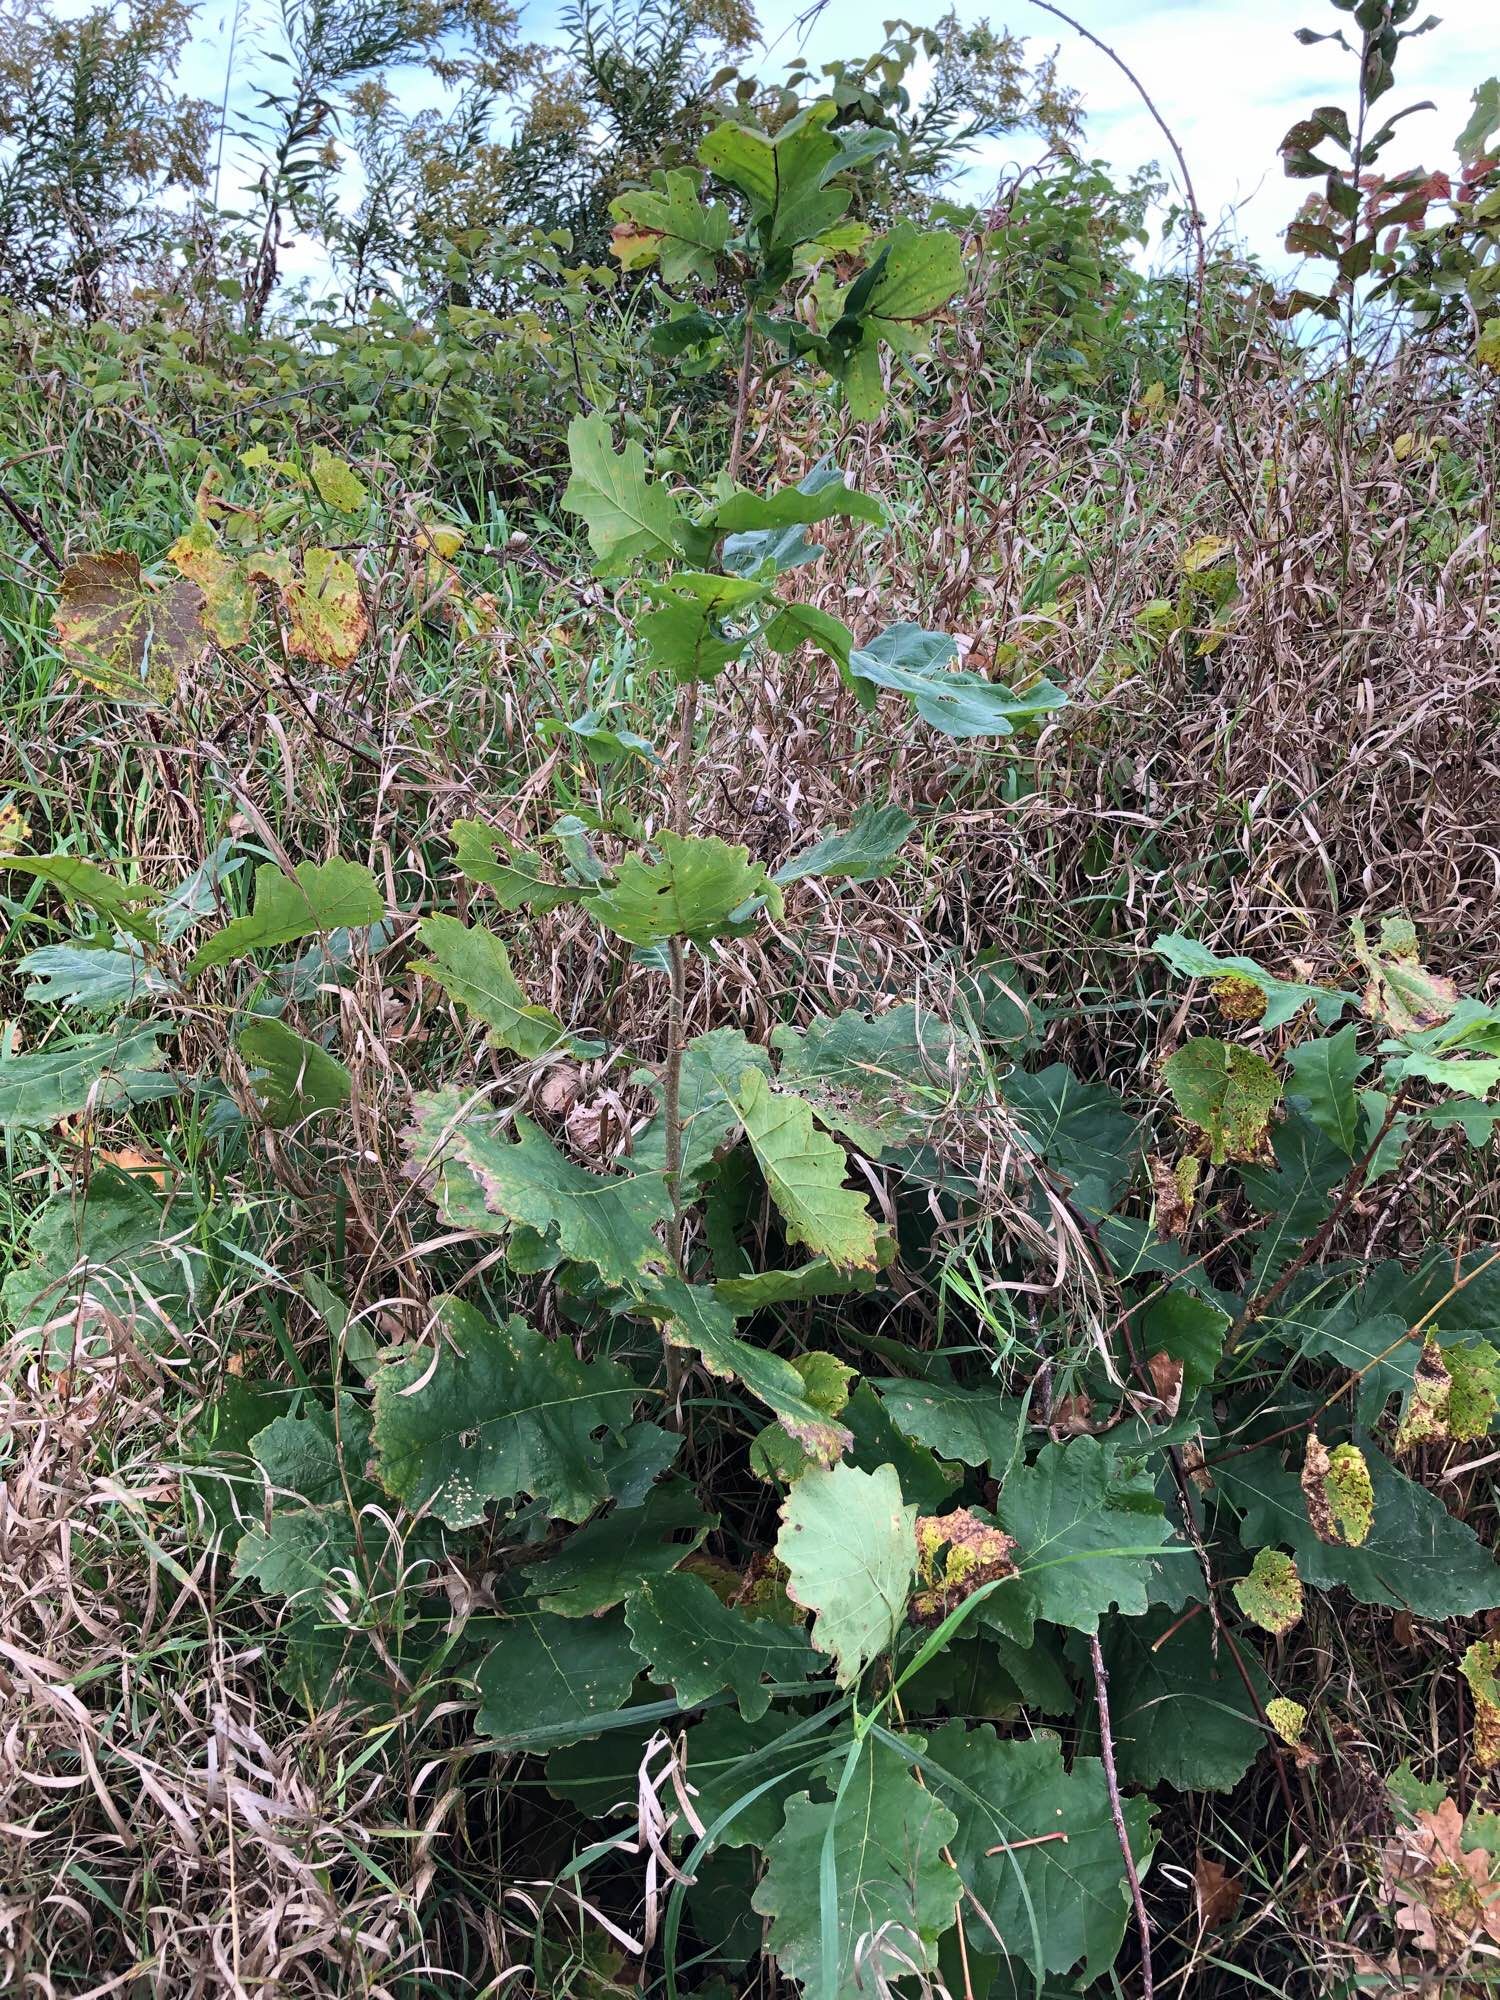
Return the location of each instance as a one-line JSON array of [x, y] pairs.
[[679, 813]]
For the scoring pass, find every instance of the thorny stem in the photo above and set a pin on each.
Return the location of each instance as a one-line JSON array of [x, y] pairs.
[[679, 813], [1117, 1813]]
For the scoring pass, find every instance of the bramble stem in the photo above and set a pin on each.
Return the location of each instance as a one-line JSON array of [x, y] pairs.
[[1117, 1813]]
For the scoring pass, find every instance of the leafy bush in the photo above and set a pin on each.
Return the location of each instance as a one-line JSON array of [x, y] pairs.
[[885, 1640]]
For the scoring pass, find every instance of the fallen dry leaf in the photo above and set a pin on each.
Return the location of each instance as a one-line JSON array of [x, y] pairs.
[[1216, 1892], [1444, 1898]]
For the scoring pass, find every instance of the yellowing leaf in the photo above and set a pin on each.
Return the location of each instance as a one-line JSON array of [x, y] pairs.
[[14, 830], [1425, 1417], [338, 485], [228, 601], [326, 612], [1401, 992], [1205, 553], [1271, 1595], [956, 1554], [119, 635], [1474, 1391], [634, 248], [1287, 1718]]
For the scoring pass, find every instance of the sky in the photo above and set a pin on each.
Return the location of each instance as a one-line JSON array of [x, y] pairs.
[[1227, 76]]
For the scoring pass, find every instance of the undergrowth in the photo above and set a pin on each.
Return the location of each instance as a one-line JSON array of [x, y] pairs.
[[750, 1067]]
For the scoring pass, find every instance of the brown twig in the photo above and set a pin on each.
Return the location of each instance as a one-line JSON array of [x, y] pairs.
[[1032, 1840], [33, 529], [1117, 1813], [1195, 213]]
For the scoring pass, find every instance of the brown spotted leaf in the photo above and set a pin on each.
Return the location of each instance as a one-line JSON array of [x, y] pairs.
[[1425, 1417], [1481, 1669], [120, 635], [1337, 1488], [1271, 1595], [956, 1553], [325, 610], [1401, 992]]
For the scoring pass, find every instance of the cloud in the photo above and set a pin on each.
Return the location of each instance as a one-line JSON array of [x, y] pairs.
[[1228, 78]]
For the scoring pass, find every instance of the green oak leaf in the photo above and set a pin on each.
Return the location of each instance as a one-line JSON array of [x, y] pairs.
[[612, 1557], [316, 898], [818, 1278], [783, 179], [1086, 1532], [919, 271], [880, 1080], [634, 1464], [547, 1682], [1180, 1714], [119, 903], [1372, 1346], [1189, 1329], [695, 1644], [1055, 1902], [482, 1180], [291, 1078], [977, 1426], [1081, 1130], [728, 1758], [699, 889], [804, 1172], [746, 512], [518, 879], [473, 968], [805, 625], [696, 1319], [112, 1247], [1227, 1091], [868, 849], [712, 1065], [849, 1543], [627, 513], [76, 1073], [1324, 1086], [96, 980], [908, 661], [895, 1892], [310, 1465], [685, 633], [502, 1411], [1417, 1557], [669, 224]]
